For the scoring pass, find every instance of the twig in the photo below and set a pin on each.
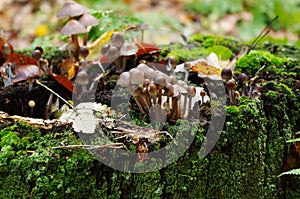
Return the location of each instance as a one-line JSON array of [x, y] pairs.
[[49, 89], [113, 145]]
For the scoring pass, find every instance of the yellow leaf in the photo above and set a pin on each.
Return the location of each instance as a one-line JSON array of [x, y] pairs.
[[203, 67], [95, 47]]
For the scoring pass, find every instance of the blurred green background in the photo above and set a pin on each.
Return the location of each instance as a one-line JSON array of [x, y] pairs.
[[23, 21]]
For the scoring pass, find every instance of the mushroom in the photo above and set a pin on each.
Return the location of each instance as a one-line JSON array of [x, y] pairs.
[[137, 76], [136, 94], [73, 28], [104, 49], [242, 80], [149, 73], [124, 80], [12, 73], [117, 40], [153, 92], [257, 92], [7, 74], [31, 104], [87, 20], [113, 53], [146, 97], [171, 65], [160, 82], [252, 85], [84, 51], [191, 94], [173, 79], [36, 54], [142, 27], [126, 50], [237, 97], [231, 85], [71, 9], [187, 66], [226, 73], [7, 49], [82, 79], [202, 94]]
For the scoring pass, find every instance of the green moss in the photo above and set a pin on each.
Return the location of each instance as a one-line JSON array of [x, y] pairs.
[[221, 51], [182, 54], [252, 62]]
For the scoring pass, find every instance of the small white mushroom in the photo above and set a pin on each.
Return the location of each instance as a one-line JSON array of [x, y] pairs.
[[82, 79]]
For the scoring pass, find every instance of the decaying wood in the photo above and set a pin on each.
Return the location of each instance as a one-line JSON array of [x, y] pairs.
[[35, 122]]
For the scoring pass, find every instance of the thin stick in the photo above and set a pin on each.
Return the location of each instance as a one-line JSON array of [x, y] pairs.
[[262, 34], [49, 89], [88, 146]]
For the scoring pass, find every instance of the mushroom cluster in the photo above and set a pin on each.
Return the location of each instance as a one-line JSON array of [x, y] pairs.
[[118, 51], [79, 20], [253, 90], [155, 91]]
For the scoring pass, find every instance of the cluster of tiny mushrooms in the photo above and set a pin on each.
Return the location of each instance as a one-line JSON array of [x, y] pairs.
[[153, 91]]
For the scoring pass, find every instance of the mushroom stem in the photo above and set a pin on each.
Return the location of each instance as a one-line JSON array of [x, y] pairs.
[[189, 106], [139, 104], [83, 88], [184, 106], [178, 113], [244, 90], [174, 107], [85, 37], [76, 43]]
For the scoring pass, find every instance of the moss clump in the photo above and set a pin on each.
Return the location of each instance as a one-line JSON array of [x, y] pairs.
[[211, 40], [252, 62], [221, 51], [182, 53]]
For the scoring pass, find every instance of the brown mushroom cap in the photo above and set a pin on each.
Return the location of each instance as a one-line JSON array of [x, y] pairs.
[[82, 78], [226, 73], [231, 85], [88, 20], [73, 27], [71, 9]]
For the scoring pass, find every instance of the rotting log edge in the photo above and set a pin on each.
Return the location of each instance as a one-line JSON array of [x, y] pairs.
[[35, 122]]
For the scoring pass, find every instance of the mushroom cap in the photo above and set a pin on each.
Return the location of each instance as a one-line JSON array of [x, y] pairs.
[[71, 9], [152, 89], [179, 90], [242, 78], [113, 53], [169, 89], [104, 49], [137, 76], [124, 79], [88, 20], [25, 72], [73, 27], [128, 48], [231, 85], [84, 51], [187, 65], [226, 73], [191, 91], [31, 103], [160, 81], [117, 39], [149, 73], [82, 78]]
